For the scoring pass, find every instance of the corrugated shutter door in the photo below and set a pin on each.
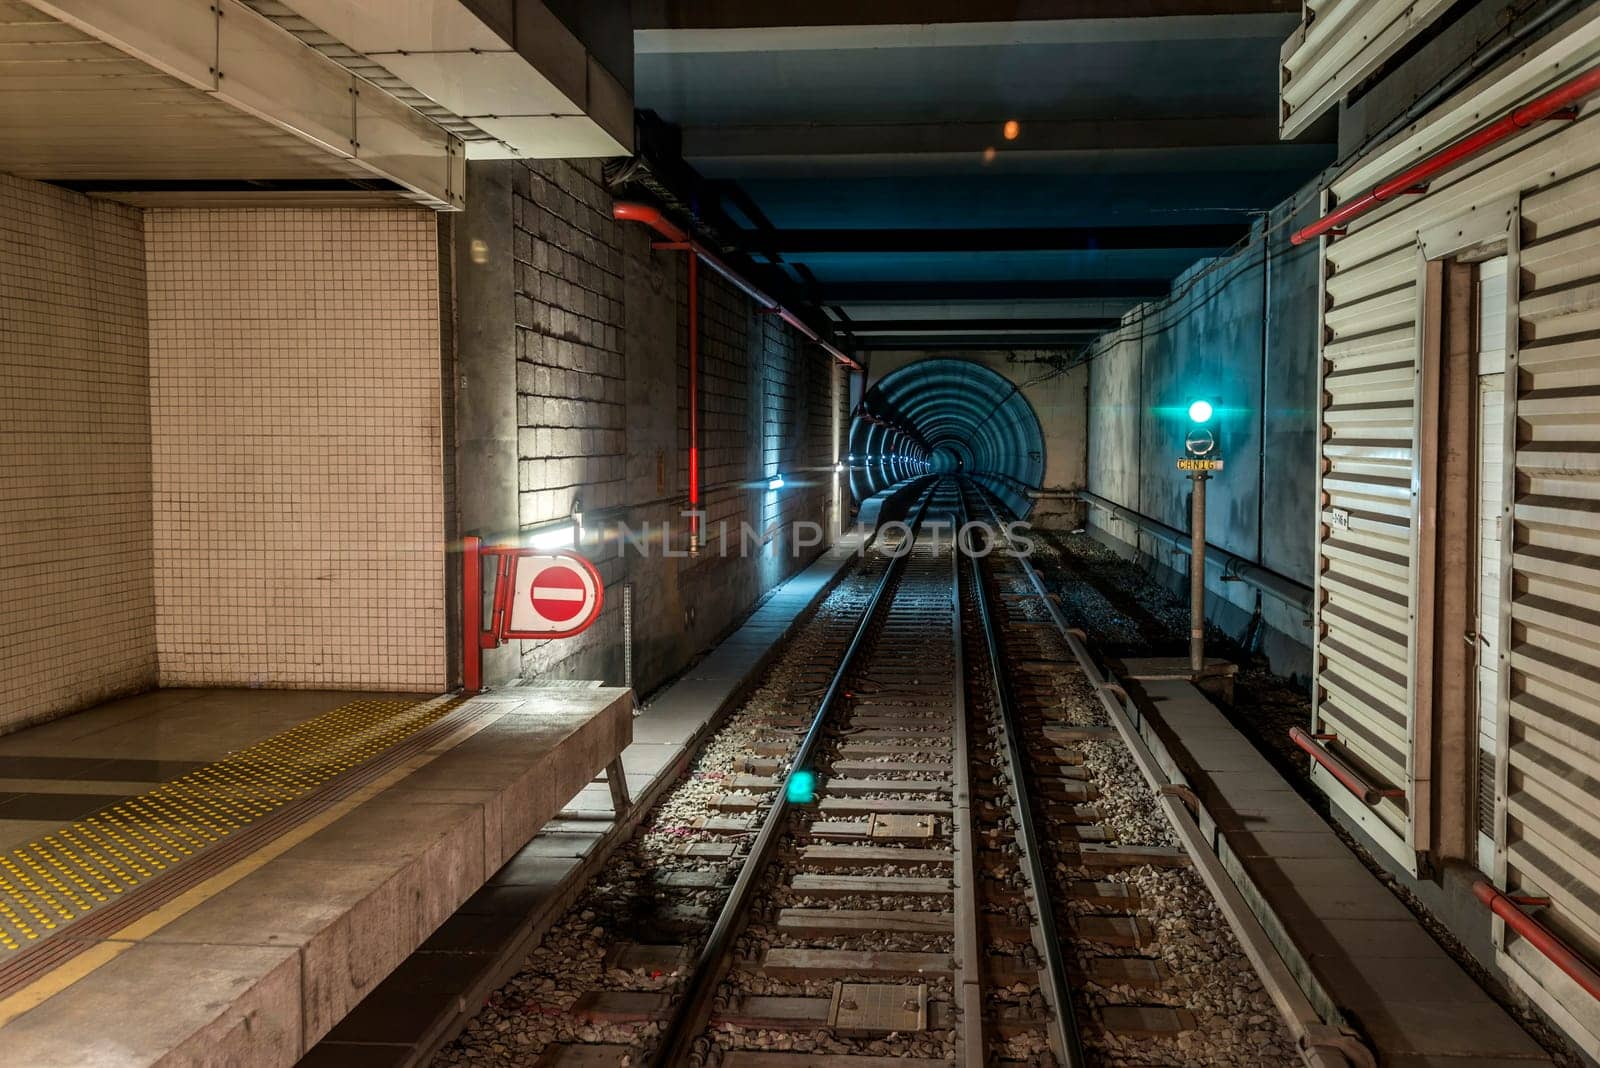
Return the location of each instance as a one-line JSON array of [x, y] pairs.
[[1369, 417], [1491, 436], [1553, 778], [1338, 43], [1547, 179]]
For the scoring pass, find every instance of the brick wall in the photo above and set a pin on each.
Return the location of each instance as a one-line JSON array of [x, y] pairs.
[[298, 475], [77, 619], [571, 419], [602, 412], [570, 415]]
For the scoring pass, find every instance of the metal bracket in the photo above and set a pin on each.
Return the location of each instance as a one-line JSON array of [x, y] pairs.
[[1190, 799], [1340, 1040], [617, 779], [1115, 689]]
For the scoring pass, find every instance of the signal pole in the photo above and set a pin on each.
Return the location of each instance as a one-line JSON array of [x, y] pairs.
[[1202, 454], [1197, 573]]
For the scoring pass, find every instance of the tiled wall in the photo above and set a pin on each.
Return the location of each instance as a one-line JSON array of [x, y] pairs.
[[298, 491], [76, 602]]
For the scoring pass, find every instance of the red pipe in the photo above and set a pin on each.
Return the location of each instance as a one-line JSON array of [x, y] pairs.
[[694, 403], [628, 211], [652, 217], [1347, 776], [471, 614], [1540, 937], [1555, 104]]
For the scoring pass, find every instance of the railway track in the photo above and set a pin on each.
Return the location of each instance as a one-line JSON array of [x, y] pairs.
[[1066, 777], [920, 843]]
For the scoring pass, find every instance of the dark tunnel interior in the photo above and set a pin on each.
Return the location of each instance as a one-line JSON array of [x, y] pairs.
[[947, 415]]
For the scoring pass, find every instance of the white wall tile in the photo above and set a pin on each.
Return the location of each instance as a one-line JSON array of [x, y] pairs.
[[298, 473], [76, 601]]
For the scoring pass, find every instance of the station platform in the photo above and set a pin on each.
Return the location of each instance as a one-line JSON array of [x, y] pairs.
[[1364, 960], [431, 996], [219, 876]]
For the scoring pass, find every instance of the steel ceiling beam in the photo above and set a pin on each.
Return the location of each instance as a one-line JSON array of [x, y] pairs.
[[745, 14], [1191, 237], [1129, 289], [1100, 137], [985, 342], [997, 326]]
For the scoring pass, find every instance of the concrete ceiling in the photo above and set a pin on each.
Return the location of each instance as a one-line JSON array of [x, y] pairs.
[[864, 149], [205, 102], [307, 102]]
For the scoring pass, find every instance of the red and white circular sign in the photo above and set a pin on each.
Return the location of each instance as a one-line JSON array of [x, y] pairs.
[[554, 595], [558, 593]]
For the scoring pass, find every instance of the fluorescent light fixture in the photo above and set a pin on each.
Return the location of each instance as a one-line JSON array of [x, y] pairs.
[[556, 536], [775, 482]]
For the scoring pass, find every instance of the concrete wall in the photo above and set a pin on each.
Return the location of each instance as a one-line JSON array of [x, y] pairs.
[[77, 610], [1241, 333], [578, 318], [298, 472], [1059, 400]]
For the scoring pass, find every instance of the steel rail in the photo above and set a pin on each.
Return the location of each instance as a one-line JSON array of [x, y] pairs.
[[693, 1010], [1066, 1036], [1321, 1045], [969, 955]]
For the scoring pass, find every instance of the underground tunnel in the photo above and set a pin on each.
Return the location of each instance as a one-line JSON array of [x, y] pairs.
[[474, 478]]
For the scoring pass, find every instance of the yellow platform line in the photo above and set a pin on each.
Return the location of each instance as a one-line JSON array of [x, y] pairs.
[[50, 882], [71, 971]]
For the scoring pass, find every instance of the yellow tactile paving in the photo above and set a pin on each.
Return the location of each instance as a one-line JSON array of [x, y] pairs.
[[59, 877]]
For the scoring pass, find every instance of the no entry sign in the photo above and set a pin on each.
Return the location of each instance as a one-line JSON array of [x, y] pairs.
[[553, 595]]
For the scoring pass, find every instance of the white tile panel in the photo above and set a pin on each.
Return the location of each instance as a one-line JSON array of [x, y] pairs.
[[298, 460]]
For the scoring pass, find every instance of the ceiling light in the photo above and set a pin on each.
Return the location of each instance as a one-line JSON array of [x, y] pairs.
[[557, 536]]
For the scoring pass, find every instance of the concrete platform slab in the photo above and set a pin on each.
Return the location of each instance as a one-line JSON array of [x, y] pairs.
[[278, 942], [1363, 958], [176, 1004]]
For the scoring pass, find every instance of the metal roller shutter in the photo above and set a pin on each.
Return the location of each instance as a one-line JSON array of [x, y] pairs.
[[1551, 807], [1338, 43], [1369, 424], [1365, 670]]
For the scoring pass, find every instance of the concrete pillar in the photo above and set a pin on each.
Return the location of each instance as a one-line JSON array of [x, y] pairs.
[[486, 368]]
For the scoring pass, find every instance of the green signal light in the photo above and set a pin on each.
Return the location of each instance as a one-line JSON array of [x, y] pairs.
[[1200, 412], [801, 788]]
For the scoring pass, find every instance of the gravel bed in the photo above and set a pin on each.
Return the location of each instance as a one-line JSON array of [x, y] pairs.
[[1236, 1022], [776, 892], [1131, 614], [621, 905]]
